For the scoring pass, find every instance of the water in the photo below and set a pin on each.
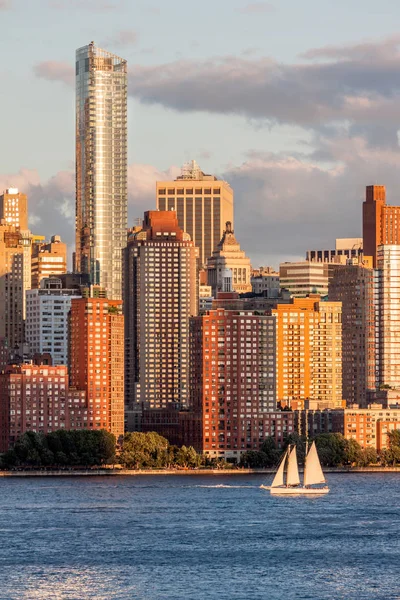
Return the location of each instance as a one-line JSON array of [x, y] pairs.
[[198, 537]]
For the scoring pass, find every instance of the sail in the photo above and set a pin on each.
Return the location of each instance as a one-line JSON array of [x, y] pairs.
[[293, 471], [278, 479], [313, 471]]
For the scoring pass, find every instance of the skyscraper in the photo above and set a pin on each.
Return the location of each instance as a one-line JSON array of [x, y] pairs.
[[101, 166], [48, 260], [14, 208], [96, 351], [160, 294], [203, 204]]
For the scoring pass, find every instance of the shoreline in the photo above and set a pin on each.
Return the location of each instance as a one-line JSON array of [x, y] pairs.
[[184, 472]]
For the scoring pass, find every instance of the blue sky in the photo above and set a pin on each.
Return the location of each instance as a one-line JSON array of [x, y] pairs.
[[294, 103]]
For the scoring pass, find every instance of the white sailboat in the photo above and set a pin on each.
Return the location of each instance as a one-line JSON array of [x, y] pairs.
[[313, 475]]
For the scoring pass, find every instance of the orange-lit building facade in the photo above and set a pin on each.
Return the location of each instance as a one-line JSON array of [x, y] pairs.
[[14, 208], [232, 383], [381, 223], [36, 398], [96, 360], [370, 426], [48, 260], [309, 351]]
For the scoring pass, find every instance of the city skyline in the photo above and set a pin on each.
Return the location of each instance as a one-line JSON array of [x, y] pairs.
[[328, 152]]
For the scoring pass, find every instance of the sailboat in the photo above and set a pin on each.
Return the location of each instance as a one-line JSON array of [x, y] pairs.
[[312, 475]]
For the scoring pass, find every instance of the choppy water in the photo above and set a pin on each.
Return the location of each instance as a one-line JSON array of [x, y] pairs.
[[195, 537]]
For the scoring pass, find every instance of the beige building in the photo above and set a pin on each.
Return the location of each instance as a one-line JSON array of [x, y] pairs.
[[14, 281], [345, 248], [203, 205], [229, 269], [14, 208], [48, 260], [308, 277], [160, 294], [309, 351]]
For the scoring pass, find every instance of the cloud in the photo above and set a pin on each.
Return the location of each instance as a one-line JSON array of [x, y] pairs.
[[89, 5], [53, 70], [256, 8], [123, 38], [4, 4]]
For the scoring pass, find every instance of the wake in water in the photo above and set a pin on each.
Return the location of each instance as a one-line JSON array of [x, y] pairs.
[[222, 485]]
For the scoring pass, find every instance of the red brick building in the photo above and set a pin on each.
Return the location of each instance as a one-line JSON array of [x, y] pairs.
[[381, 223]]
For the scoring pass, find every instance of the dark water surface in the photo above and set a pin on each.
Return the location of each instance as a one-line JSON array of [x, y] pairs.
[[198, 537]]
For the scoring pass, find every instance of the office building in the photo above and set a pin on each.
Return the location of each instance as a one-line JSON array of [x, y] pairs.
[[387, 299], [14, 208], [309, 351], [303, 278], [160, 294], [203, 205], [233, 382], [229, 269], [353, 286], [48, 260], [96, 360], [345, 248], [265, 280], [381, 222], [101, 166], [46, 327]]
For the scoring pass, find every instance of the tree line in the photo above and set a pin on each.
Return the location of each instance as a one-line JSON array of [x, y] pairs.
[[334, 450]]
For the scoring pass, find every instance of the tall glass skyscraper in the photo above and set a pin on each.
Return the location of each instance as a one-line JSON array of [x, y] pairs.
[[101, 166]]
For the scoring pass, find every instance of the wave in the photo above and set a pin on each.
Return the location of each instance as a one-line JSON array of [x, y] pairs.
[[223, 485]]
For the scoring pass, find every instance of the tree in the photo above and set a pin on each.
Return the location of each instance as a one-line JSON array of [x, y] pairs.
[[331, 449]]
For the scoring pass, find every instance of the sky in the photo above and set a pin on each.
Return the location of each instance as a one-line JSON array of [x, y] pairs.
[[295, 104]]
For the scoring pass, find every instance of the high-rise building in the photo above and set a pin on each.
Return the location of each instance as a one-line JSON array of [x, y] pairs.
[[14, 281], [96, 360], [46, 326], [101, 166], [309, 351], [160, 294], [381, 223], [229, 269], [48, 260], [353, 286], [202, 203], [14, 208], [233, 382], [387, 301], [307, 277]]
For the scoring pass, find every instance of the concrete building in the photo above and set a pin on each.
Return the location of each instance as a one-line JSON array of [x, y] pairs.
[[35, 398], [205, 298], [14, 281], [96, 360], [353, 286], [101, 166], [381, 223], [345, 248], [48, 260], [229, 269], [309, 351], [46, 327], [370, 426], [203, 205], [387, 299], [306, 277], [14, 208], [233, 383], [160, 294], [265, 281]]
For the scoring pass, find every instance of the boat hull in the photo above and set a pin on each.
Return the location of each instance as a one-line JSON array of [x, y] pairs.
[[298, 491]]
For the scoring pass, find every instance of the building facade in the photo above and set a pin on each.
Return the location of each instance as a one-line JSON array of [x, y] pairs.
[[353, 286], [203, 205], [229, 269], [14, 208], [48, 260], [265, 281], [370, 426], [160, 294], [101, 166], [35, 398], [345, 248], [96, 360], [233, 382], [381, 222], [46, 327], [387, 299], [309, 351]]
